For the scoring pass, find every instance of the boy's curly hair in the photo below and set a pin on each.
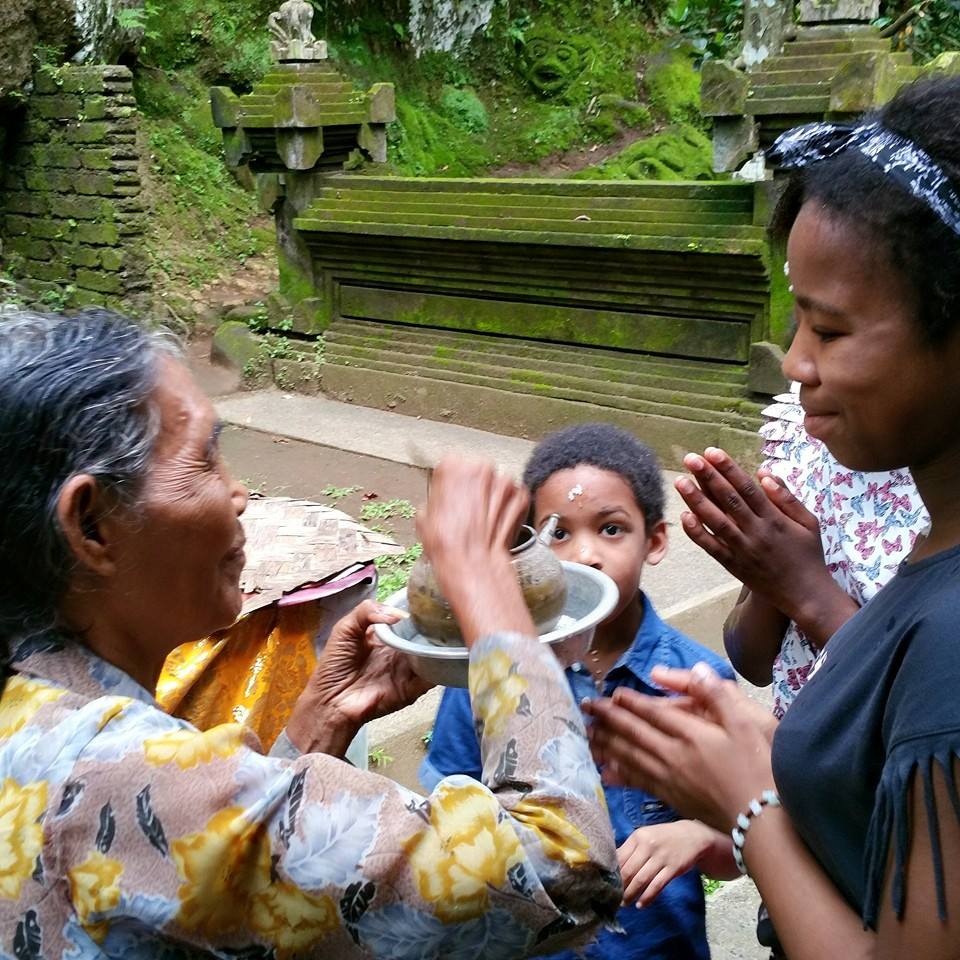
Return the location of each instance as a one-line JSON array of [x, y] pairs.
[[608, 448]]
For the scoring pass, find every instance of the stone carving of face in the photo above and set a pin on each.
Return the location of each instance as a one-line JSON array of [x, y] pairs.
[[551, 61]]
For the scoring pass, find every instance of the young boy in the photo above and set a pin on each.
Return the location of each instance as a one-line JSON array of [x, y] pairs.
[[606, 487]]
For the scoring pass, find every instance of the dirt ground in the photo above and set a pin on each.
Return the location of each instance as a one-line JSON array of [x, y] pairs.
[[278, 467]]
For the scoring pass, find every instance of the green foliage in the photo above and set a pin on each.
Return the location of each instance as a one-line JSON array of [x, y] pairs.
[[57, 299], [378, 757], [935, 30], [673, 87], [711, 886], [711, 26], [395, 571], [201, 219], [423, 142], [225, 39], [464, 108], [388, 510], [337, 493]]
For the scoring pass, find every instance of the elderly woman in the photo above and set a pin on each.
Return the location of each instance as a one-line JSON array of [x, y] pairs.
[[125, 832]]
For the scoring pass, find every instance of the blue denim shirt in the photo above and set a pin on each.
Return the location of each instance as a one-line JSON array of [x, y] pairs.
[[673, 926]]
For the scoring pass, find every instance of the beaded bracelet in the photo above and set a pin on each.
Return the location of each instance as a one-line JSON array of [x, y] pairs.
[[755, 807]]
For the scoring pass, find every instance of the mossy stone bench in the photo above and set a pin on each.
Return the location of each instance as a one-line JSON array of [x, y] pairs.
[[638, 299]]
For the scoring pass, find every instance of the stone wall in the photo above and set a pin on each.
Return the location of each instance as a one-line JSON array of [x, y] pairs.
[[71, 212]]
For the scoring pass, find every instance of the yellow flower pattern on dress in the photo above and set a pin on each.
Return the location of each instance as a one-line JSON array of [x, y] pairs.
[[503, 687], [162, 837], [464, 851], [22, 699], [292, 919], [21, 834], [95, 889], [561, 840], [226, 875], [188, 748], [221, 867]]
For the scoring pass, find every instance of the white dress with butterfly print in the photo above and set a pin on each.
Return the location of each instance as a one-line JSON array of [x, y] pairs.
[[869, 523]]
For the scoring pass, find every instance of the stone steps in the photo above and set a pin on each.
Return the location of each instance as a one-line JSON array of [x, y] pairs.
[[721, 380], [534, 400], [338, 116], [790, 91], [533, 383], [675, 216], [761, 106], [510, 358], [726, 211], [849, 45], [512, 218], [788, 76]]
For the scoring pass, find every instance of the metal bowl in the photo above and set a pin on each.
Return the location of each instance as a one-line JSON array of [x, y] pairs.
[[591, 598]]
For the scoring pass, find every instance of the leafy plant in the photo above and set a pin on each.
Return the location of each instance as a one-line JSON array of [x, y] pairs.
[[378, 757], [337, 493], [395, 571], [388, 510], [58, 298], [712, 27], [935, 28]]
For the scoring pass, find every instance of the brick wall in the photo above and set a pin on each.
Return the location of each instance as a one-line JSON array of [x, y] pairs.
[[71, 212]]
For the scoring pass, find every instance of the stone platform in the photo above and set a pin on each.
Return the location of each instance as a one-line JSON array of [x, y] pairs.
[[522, 305]]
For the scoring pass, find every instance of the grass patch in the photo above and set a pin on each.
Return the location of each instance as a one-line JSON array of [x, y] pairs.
[[394, 571], [378, 757], [337, 493], [388, 510]]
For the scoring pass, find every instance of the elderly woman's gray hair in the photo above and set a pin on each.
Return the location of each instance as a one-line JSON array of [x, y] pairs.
[[74, 399]]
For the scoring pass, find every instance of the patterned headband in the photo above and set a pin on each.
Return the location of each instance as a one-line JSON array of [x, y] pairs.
[[898, 158]]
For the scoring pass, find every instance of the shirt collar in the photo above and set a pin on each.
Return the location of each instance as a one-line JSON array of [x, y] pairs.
[[72, 666], [650, 647]]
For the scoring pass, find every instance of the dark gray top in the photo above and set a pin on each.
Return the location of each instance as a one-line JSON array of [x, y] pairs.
[[882, 703]]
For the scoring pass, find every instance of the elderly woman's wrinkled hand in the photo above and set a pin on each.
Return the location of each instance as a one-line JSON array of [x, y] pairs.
[[356, 679], [706, 753]]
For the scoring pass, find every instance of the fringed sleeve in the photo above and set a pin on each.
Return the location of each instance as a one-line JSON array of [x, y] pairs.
[[909, 765], [920, 732]]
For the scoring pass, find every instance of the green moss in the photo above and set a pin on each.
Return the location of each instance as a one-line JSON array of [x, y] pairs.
[[424, 142], [673, 87], [296, 284], [200, 219], [678, 153], [464, 108], [781, 300]]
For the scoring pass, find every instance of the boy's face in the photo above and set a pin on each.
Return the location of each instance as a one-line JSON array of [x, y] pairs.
[[601, 526]]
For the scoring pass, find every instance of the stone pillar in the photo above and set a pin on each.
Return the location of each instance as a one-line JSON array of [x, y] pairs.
[[766, 25]]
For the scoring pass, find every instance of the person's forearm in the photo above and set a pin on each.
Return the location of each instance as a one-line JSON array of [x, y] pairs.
[[314, 729], [716, 861], [752, 636], [823, 612], [787, 875]]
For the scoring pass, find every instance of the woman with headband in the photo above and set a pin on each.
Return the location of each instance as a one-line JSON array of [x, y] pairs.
[[847, 814]]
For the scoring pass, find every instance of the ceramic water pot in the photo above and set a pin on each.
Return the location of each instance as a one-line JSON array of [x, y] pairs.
[[541, 579]]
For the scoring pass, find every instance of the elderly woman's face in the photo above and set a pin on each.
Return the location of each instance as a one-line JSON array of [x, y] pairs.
[[184, 556]]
